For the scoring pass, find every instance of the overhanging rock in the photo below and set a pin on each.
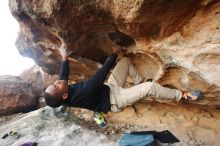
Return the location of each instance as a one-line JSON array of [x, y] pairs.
[[175, 42]]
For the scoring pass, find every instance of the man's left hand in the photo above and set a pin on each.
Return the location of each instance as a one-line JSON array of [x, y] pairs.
[[64, 52]]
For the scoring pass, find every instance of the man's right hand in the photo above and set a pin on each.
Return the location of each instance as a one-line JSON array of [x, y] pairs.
[[64, 52], [116, 50]]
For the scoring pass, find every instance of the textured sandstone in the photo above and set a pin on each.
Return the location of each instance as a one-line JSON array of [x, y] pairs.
[[174, 42], [49, 127], [16, 95], [177, 43]]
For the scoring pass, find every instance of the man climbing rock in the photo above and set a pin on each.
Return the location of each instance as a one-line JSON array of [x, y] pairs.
[[95, 95]]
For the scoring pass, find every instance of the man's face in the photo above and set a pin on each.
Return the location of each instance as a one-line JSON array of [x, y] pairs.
[[58, 88]]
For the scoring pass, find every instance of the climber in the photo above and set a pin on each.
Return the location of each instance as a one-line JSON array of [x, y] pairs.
[[95, 95]]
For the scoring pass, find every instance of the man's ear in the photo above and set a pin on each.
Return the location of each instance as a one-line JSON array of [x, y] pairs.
[[65, 96]]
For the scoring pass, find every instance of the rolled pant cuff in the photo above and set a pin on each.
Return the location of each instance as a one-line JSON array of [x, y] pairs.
[[179, 95]]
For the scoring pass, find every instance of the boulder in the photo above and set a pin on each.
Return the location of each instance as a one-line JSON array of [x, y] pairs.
[[39, 79], [50, 127], [16, 95]]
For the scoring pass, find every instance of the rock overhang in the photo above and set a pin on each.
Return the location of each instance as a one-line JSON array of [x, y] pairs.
[[174, 42]]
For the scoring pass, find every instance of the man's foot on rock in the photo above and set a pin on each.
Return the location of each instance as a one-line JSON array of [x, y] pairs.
[[193, 95]]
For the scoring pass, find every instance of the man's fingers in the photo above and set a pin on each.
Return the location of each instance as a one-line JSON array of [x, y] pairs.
[[70, 52], [62, 46], [65, 51]]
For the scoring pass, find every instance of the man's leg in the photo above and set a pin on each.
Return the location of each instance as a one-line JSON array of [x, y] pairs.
[[122, 70], [117, 79], [138, 92]]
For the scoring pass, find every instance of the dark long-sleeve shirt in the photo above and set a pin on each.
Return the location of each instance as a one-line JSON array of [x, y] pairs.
[[91, 94]]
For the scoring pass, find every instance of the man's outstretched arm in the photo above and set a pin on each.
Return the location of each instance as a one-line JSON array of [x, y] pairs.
[[100, 76], [64, 70]]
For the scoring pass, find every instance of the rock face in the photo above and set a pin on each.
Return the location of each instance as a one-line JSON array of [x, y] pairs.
[[174, 42], [177, 43], [16, 95], [192, 125], [38, 79], [50, 127]]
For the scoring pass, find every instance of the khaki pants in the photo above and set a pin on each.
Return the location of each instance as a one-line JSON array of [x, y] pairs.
[[121, 97]]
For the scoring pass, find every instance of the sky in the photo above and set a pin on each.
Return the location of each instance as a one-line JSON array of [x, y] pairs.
[[11, 62]]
